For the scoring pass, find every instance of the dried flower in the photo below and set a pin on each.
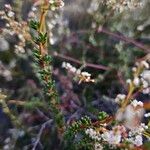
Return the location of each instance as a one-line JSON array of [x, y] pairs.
[[82, 76]]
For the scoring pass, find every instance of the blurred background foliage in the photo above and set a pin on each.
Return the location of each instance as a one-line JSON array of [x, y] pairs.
[[83, 32]]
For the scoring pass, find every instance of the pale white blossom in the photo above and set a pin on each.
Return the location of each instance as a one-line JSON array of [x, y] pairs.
[[138, 140], [136, 103], [111, 137], [146, 75], [120, 97], [93, 134], [10, 14], [145, 64], [86, 74], [98, 146], [147, 115], [82, 76], [136, 81], [134, 69]]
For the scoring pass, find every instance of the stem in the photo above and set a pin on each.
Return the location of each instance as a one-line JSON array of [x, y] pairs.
[[44, 63], [7, 111], [131, 90], [44, 10]]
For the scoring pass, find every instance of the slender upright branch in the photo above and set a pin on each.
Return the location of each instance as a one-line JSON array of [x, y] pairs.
[[44, 63]]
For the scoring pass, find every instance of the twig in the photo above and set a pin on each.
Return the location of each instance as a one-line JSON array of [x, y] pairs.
[[123, 38], [42, 114], [40, 133], [100, 67], [119, 75], [117, 36]]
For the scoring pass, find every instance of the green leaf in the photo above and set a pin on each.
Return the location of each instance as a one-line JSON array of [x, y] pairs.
[[34, 24]]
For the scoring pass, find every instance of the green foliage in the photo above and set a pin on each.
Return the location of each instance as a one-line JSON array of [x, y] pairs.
[[33, 104], [91, 44], [42, 37], [102, 115], [75, 131], [34, 24], [43, 64], [77, 126]]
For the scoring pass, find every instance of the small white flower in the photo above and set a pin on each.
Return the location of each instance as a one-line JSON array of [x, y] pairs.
[[19, 49], [146, 75], [86, 74], [7, 25], [98, 146], [7, 140], [33, 8], [136, 81], [93, 134], [8, 6], [134, 69], [147, 115], [137, 64], [138, 140], [128, 81], [73, 69], [78, 71], [64, 65], [111, 137], [120, 97], [143, 125], [140, 103], [146, 91], [145, 64], [140, 28], [20, 36], [51, 1], [6, 147], [144, 83], [11, 14], [136, 103]]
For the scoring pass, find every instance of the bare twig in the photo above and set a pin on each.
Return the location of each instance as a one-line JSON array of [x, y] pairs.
[[42, 114], [117, 36], [40, 133], [100, 67], [121, 80], [126, 39]]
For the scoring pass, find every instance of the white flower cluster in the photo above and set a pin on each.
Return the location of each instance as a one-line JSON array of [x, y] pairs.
[[5, 72], [142, 79], [115, 135], [138, 130], [145, 79], [13, 27], [93, 134], [32, 12], [93, 6], [54, 4], [70, 68], [136, 81], [9, 11], [121, 5], [82, 76], [98, 146], [112, 137], [136, 103], [147, 115], [137, 140], [135, 135], [119, 134], [120, 97]]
